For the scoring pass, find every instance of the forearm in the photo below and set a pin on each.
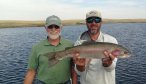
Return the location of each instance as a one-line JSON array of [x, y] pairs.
[[29, 76], [73, 73], [111, 66], [74, 77]]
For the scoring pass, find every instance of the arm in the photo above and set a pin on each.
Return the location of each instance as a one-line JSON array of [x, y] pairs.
[[80, 62], [109, 63], [73, 73], [32, 66], [29, 76]]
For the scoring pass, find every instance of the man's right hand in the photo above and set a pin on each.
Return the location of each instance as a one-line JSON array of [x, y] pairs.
[[80, 62]]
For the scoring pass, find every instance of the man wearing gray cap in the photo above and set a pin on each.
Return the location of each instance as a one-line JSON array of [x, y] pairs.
[[38, 65], [95, 71]]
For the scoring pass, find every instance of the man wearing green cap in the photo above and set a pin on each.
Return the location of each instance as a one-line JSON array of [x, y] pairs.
[[38, 65]]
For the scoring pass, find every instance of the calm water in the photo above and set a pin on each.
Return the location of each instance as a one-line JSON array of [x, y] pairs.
[[15, 45]]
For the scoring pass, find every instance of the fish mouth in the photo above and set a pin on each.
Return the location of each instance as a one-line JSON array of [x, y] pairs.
[[126, 55]]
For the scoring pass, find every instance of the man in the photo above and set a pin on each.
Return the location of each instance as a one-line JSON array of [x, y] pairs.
[[38, 64], [95, 71]]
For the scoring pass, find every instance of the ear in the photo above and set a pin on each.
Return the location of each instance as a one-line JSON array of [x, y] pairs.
[[46, 28]]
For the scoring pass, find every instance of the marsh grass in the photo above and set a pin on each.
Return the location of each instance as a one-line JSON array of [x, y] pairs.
[[21, 23], [17, 23]]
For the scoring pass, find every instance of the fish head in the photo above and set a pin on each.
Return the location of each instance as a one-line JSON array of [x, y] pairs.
[[121, 52]]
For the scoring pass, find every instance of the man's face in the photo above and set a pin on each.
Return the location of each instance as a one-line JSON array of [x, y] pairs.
[[53, 31], [93, 25]]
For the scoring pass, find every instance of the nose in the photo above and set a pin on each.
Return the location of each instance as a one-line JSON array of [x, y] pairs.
[[93, 22], [53, 29]]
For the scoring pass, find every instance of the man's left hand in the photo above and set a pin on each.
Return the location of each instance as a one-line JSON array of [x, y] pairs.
[[107, 61]]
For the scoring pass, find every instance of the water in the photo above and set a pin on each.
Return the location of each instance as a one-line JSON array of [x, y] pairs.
[[15, 45]]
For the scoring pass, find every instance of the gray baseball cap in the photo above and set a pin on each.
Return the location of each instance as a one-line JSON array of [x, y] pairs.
[[93, 13], [53, 20]]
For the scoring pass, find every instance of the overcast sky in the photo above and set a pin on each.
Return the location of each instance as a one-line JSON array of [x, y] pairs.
[[70, 9]]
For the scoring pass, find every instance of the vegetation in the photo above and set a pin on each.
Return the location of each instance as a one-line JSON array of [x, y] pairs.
[[17, 23]]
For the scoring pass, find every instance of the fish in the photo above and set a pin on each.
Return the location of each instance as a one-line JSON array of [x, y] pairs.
[[91, 50]]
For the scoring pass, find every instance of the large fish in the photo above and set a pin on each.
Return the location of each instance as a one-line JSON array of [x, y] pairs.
[[89, 50]]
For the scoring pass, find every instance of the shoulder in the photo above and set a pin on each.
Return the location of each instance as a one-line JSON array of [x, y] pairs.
[[109, 38], [66, 41], [84, 35], [39, 44]]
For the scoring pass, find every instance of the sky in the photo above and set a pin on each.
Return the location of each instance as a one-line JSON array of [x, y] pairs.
[[71, 9]]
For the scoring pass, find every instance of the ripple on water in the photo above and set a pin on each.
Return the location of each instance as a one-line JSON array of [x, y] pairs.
[[15, 45]]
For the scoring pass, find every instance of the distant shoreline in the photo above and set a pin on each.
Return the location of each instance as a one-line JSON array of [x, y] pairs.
[[21, 23]]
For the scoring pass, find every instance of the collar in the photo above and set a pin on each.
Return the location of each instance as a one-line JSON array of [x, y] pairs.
[[47, 43], [100, 37]]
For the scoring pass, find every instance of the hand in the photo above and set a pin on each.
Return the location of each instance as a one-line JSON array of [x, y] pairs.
[[107, 61], [80, 62]]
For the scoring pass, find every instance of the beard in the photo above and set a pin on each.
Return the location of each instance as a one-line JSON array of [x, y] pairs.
[[94, 30], [53, 35]]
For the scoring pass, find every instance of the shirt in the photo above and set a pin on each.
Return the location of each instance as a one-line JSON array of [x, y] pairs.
[[58, 73], [95, 72]]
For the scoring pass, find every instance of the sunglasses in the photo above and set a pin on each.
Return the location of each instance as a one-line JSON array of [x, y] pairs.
[[53, 26], [95, 19]]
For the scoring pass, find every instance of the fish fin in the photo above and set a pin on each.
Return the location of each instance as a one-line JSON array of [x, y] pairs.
[[50, 55], [68, 48], [88, 42]]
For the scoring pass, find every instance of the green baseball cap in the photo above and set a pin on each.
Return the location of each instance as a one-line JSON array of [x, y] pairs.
[[53, 20]]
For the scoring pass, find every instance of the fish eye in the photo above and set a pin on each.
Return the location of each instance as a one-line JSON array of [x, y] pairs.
[[122, 53], [125, 52]]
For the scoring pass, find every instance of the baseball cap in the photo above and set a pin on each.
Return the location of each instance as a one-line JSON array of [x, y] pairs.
[[53, 20], [93, 13]]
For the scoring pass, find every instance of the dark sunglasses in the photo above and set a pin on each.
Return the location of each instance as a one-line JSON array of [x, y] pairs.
[[53, 26], [95, 19]]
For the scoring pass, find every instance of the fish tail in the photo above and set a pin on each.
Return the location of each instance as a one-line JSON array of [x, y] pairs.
[[53, 62], [52, 58]]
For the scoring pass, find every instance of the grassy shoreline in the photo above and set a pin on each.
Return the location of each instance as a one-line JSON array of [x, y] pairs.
[[21, 23]]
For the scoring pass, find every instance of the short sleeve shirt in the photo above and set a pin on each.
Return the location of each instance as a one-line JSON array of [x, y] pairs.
[[58, 73]]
